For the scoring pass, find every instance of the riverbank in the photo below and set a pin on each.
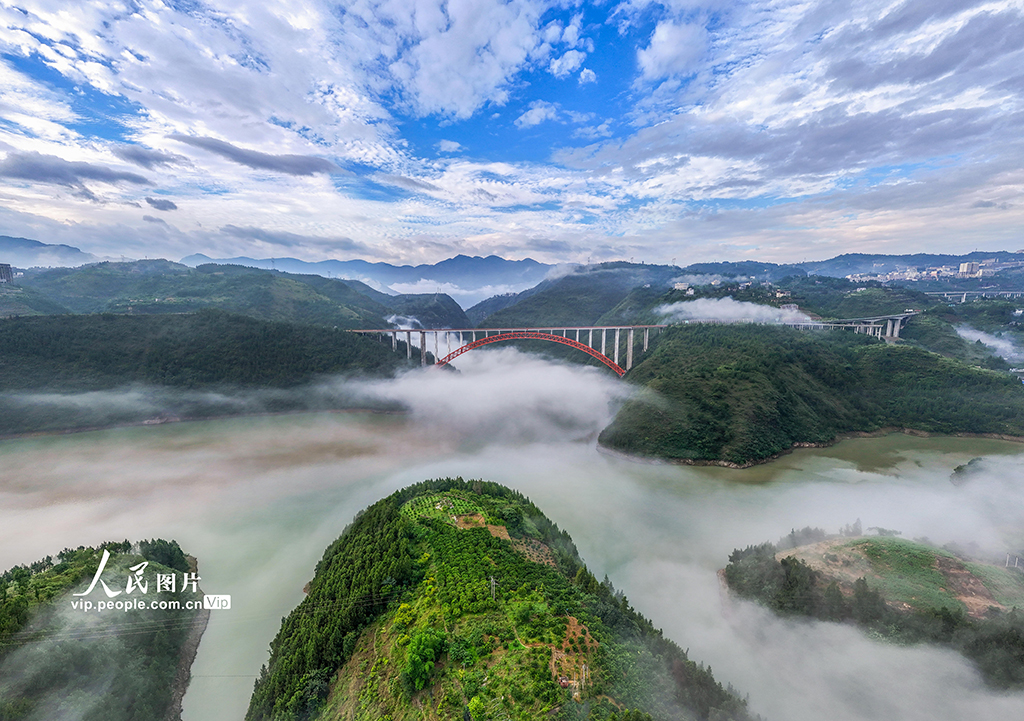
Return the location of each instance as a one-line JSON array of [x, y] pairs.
[[798, 445]]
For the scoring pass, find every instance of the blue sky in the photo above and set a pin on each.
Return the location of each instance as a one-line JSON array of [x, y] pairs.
[[412, 130]]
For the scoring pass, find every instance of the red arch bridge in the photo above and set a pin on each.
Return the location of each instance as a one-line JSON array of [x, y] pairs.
[[585, 338]]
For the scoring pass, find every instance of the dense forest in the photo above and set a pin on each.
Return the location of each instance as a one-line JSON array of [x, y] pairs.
[[906, 575], [193, 350], [204, 364], [455, 599], [744, 393], [59, 661]]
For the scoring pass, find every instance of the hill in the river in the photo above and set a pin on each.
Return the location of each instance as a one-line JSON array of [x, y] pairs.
[[62, 656], [901, 590], [738, 394], [461, 600]]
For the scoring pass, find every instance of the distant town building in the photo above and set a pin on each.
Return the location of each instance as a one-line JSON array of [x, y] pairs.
[[680, 286], [6, 275], [970, 270], [783, 293]]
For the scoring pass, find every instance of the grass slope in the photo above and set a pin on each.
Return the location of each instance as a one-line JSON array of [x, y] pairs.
[[743, 393], [400, 623]]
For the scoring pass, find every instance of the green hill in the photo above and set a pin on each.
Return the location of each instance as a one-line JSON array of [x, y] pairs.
[[900, 590], [59, 659], [432, 310], [161, 287], [578, 298], [16, 301], [453, 600], [743, 393]]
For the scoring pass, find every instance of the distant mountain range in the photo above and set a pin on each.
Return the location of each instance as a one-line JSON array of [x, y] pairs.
[[469, 279], [472, 279], [25, 253]]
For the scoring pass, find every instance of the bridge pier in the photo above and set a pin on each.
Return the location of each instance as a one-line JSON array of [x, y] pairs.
[[647, 338], [408, 345], [629, 350], [590, 339], [423, 347], [616, 346], [603, 332]]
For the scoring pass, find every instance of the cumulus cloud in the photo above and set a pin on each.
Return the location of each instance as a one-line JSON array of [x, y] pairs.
[[587, 76], [449, 146], [290, 164], [568, 63], [728, 310], [672, 50], [161, 204], [539, 112]]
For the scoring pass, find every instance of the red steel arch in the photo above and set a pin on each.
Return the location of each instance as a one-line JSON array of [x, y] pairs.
[[533, 335]]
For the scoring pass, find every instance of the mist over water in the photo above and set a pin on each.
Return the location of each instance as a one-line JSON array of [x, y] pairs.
[[259, 499]]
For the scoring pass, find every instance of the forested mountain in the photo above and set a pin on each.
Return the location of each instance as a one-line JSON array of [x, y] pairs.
[[579, 298], [60, 659], [196, 365], [742, 393], [461, 600], [26, 253], [462, 270], [193, 350], [160, 286]]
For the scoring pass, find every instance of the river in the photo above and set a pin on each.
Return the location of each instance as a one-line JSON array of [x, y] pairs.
[[258, 499]]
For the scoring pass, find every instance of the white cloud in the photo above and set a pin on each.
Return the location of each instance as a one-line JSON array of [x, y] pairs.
[[672, 50], [449, 146], [539, 112], [729, 310], [587, 76], [568, 63], [450, 58]]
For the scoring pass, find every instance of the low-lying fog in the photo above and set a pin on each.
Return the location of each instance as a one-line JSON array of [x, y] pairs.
[[258, 500]]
